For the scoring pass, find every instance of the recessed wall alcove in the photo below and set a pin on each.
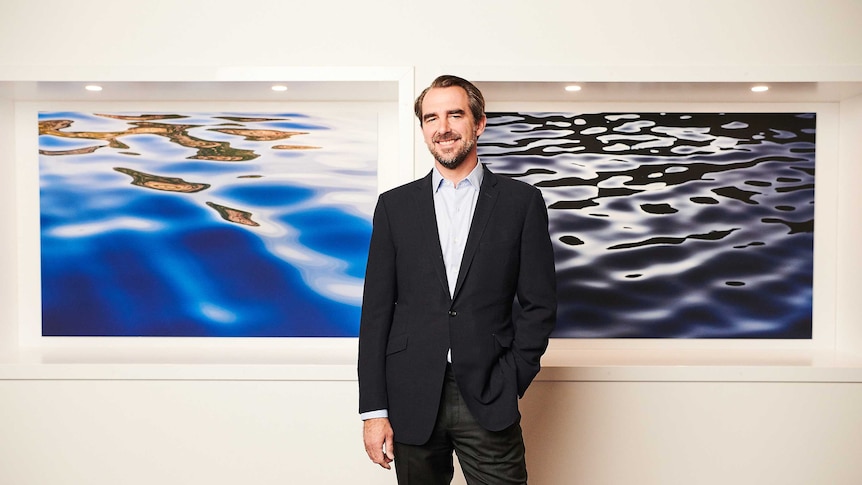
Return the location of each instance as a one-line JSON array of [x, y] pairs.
[[602, 410]]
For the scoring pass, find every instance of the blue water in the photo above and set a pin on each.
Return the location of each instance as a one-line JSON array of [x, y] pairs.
[[671, 225], [164, 227]]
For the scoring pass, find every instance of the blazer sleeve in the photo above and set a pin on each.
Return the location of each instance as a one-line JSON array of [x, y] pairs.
[[378, 305], [536, 293]]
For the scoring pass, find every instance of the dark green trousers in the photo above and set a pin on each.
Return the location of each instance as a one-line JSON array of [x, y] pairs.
[[486, 457]]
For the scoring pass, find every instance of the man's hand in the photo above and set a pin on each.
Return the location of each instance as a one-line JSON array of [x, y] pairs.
[[377, 434]]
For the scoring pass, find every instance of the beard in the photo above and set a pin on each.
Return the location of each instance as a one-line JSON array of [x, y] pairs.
[[453, 159]]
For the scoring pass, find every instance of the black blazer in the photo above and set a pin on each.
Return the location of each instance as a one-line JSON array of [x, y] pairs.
[[409, 320]]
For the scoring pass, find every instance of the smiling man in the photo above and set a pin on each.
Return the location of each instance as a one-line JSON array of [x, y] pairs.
[[443, 358]]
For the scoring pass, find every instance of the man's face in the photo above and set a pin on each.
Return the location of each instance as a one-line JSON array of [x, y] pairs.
[[448, 126]]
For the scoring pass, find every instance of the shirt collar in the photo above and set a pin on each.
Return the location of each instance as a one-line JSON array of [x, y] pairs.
[[475, 177]]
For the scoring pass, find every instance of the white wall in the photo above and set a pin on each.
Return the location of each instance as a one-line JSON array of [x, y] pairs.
[[274, 432], [8, 236], [185, 33], [849, 240], [71, 421], [704, 433], [180, 432]]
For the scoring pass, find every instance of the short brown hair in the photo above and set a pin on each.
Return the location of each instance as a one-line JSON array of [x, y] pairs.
[[474, 96]]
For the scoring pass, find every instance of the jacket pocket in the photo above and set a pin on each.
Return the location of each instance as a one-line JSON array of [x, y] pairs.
[[396, 344], [504, 340], [501, 373]]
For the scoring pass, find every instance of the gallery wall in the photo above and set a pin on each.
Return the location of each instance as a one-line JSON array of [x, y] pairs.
[[8, 237], [633, 416], [654, 34], [670, 41], [849, 305]]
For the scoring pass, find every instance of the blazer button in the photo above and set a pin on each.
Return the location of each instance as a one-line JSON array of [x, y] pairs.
[[453, 313]]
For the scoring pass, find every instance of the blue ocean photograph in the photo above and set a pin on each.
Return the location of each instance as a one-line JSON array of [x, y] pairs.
[[205, 224], [671, 225]]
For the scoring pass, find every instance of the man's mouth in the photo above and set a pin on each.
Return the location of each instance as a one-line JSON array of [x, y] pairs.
[[446, 141]]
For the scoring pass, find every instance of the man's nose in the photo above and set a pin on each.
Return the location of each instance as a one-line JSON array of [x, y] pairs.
[[443, 126]]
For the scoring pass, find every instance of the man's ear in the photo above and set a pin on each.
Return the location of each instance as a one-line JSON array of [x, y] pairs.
[[480, 126]]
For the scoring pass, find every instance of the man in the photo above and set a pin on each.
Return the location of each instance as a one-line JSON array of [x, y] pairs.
[[443, 358]]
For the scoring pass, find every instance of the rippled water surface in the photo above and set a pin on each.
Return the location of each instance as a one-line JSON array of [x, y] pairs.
[[204, 224], [671, 225]]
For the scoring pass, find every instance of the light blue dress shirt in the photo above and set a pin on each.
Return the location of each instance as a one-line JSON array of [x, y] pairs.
[[454, 206]]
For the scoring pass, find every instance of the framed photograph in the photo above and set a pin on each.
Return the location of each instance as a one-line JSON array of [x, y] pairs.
[[672, 225], [200, 219], [204, 224]]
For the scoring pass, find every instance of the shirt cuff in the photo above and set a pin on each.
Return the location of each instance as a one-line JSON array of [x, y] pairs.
[[380, 413]]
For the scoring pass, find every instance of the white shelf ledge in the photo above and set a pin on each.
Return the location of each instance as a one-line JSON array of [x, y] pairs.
[[312, 364], [700, 365]]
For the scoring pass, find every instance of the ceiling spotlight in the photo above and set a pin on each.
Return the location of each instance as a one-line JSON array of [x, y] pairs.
[[279, 88], [93, 87], [760, 89], [572, 88]]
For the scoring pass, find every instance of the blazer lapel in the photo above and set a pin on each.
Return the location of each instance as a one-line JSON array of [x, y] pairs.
[[484, 207], [430, 236]]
